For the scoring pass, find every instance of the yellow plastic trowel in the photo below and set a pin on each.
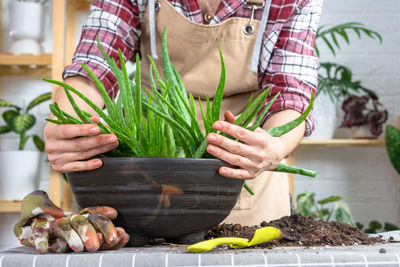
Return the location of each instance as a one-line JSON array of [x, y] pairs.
[[262, 235]]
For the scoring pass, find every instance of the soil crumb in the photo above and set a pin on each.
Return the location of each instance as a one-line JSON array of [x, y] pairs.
[[298, 230]]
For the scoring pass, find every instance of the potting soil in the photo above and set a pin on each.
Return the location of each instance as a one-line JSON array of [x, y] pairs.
[[298, 230]]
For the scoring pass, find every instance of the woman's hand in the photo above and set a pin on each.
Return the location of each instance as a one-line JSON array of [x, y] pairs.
[[257, 152], [70, 145]]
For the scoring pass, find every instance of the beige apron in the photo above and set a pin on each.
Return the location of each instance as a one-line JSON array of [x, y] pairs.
[[193, 50]]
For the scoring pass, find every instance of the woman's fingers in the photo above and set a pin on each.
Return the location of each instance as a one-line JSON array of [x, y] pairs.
[[73, 161], [69, 131], [234, 159], [235, 173], [69, 145], [229, 117], [230, 145], [81, 144], [62, 158], [78, 166], [236, 131]]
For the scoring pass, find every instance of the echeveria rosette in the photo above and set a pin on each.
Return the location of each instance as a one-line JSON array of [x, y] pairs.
[[162, 121]]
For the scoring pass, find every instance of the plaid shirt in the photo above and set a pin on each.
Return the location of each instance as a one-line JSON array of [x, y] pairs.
[[287, 61]]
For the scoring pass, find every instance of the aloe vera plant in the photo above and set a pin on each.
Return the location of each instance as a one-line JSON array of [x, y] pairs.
[[162, 121]]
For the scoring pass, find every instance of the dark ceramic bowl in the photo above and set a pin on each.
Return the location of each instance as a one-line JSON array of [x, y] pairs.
[[174, 198]]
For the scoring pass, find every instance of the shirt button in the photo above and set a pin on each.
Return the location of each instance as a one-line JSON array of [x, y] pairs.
[[208, 17]]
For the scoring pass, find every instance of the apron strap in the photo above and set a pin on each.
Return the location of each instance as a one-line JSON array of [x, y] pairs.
[[259, 38], [152, 27]]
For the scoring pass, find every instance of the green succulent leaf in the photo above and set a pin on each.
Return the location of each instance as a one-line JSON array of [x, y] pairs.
[[22, 123], [281, 130]]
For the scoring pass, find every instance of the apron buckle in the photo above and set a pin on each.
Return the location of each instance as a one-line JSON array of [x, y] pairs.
[[253, 5], [157, 6]]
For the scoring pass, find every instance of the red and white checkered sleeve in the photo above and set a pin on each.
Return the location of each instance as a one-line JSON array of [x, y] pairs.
[[291, 66], [116, 22]]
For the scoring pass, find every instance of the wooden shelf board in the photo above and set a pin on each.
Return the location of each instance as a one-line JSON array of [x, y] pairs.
[[8, 59], [344, 143], [10, 206], [38, 71]]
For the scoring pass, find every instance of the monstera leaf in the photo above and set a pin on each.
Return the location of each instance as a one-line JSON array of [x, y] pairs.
[[393, 146], [21, 123]]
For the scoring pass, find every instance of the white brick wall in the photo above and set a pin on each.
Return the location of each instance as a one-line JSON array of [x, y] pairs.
[[363, 176]]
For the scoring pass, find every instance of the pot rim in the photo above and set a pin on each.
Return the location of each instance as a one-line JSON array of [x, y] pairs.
[[160, 159]]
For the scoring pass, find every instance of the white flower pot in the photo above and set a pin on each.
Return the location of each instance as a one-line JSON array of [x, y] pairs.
[[324, 113], [19, 173], [362, 132], [26, 22]]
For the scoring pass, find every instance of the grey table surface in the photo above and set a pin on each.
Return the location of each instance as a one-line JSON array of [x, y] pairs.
[[179, 256]]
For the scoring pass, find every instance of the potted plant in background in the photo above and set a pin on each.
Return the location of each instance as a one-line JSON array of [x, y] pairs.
[[19, 168], [392, 137], [335, 81], [26, 25], [364, 115]]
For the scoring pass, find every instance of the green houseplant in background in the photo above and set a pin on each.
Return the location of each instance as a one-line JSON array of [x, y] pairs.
[[335, 81], [162, 122], [392, 137], [19, 168], [337, 211], [308, 206], [18, 120]]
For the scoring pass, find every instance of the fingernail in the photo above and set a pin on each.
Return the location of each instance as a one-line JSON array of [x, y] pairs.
[[211, 138], [97, 163], [111, 139], [210, 148], [94, 130], [217, 125]]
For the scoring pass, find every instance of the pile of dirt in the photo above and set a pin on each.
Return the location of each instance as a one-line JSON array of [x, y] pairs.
[[298, 230]]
